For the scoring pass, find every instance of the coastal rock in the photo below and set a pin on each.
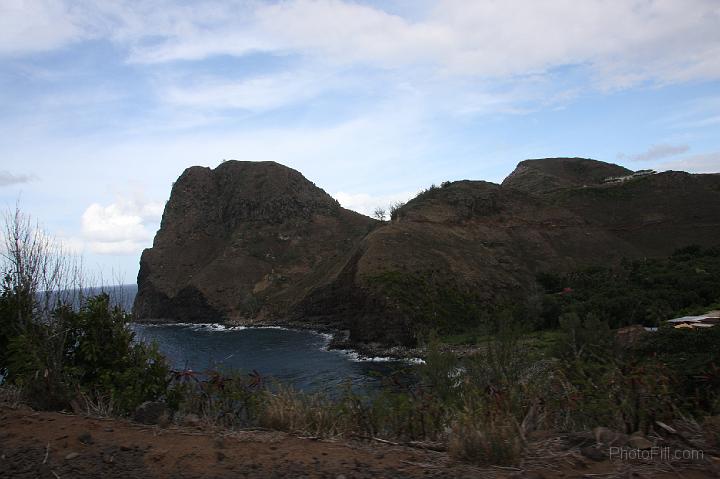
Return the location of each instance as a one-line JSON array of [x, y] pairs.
[[241, 242]]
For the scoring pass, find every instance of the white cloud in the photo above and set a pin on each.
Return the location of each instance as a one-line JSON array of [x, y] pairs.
[[254, 94], [38, 25], [349, 32], [623, 43], [8, 179], [123, 227], [450, 56], [656, 152]]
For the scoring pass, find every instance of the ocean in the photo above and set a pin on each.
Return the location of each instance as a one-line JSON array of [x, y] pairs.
[[297, 358]]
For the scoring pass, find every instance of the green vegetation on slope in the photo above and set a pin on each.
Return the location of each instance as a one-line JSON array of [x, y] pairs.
[[644, 292], [636, 292], [431, 303]]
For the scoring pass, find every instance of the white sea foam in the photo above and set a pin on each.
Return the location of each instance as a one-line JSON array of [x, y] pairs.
[[353, 356], [214, 327], [356, 357], [415, 361]]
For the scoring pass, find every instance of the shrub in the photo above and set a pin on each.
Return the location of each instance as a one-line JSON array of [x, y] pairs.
[[394, 210], [88, 353], [227, 400], [106, 360]]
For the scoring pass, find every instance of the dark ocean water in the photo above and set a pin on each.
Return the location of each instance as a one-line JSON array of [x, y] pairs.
[[297, 358]]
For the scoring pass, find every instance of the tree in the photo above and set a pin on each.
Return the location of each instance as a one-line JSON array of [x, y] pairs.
[[36, 267], [379, 213]]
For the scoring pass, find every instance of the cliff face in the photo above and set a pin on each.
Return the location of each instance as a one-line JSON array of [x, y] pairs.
[[250, 241], [242, 242]]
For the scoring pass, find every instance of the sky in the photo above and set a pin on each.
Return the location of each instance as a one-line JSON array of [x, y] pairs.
[[104, 103]]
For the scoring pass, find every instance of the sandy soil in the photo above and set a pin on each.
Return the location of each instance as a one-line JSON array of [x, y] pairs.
[[55, 445]]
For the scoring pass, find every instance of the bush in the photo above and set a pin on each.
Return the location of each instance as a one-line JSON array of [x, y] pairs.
[[88, 353], [107, 361]]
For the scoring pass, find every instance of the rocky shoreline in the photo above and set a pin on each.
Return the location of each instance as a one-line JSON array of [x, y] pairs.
[[339, 339]]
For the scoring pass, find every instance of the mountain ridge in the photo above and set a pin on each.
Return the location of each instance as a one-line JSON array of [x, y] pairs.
[[273, 247]]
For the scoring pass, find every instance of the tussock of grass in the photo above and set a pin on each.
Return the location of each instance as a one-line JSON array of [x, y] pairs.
[[490, 441], [307, 414]]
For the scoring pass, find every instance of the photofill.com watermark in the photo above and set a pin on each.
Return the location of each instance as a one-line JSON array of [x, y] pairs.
[[655, 454]]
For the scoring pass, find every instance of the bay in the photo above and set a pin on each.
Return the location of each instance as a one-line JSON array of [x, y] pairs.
[[297, 358]]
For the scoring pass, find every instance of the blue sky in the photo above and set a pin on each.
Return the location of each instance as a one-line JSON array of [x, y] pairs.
[[105, 103]]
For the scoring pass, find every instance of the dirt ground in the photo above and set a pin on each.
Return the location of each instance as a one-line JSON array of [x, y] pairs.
[[56, 445]]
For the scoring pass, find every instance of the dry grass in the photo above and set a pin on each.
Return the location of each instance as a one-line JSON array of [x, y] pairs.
[[493, 441], [312, 415], [11, 395], [97, 406]]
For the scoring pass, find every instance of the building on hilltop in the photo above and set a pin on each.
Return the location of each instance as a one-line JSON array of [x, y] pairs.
[[706, 320]]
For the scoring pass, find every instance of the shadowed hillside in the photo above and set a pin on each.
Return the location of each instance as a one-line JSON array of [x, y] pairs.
[[257, 241], [243, 241]]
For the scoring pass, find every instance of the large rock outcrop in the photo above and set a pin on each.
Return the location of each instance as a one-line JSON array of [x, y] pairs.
[[256, 241], [242, 242]]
